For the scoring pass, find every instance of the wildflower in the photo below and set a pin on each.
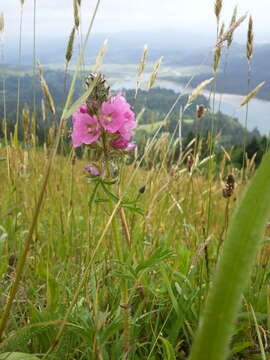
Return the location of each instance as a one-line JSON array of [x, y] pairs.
[[116, 115], [131, 146], [106, 123], [92, 170], [123, 144], [126, 130], [86, 128]]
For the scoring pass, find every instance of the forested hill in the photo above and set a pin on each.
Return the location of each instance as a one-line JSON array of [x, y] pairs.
[[157, 102]]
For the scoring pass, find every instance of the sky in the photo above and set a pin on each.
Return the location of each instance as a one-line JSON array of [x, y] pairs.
[[55, 17]]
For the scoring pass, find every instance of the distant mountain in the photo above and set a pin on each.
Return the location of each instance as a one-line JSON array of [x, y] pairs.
[[177, 49], [124, 47], [233, 72]]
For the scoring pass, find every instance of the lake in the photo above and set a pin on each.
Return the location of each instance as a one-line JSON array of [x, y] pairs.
[[258, 110]]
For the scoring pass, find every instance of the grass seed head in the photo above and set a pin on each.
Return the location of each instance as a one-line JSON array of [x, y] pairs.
[[43, 109], [229, 187], [196, 92], [46, 91], [218, 8], [230, 31], [69, 50], [250, 39], [100, 56], [76, 13], [252, 94], [2, 23], [154, 74], [230, 34]]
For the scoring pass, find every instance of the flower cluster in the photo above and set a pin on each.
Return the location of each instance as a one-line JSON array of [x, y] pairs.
[[110, 127]]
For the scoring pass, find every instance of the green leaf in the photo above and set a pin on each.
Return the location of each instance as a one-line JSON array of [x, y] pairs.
[[156, 258], [110, 182], [234, 269], [2, 159], [109, 193], [169, 353], [238, 347], [133, 209], [111, 330], [79, 102], [100, 200], [17, 356]]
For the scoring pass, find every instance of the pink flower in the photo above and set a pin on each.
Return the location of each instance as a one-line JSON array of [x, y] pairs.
[[126, 130], [115, 114], [92, 170], [123, 144], [86, 129], [131, 146], [120, 143]]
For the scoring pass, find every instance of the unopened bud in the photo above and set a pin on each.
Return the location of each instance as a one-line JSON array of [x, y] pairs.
[[142, 190]]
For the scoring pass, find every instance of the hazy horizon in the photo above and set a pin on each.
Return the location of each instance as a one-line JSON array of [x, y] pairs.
[[140, 16]]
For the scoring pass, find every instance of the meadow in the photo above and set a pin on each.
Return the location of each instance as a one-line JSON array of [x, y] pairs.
[[161, 254]]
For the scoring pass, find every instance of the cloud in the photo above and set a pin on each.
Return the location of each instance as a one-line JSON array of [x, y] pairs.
[[55, 17]]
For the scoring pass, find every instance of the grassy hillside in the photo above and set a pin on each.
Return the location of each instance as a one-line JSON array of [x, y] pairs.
[[147, 294]]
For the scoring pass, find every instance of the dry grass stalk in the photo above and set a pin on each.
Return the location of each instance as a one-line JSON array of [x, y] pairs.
[[76, 14], [218, 8], [196, 92], [100, 56], [230, 34], [199, 253], [43, 109], [154, 74], [2, 23], [225, 153], [69, 50], [250, 39], [26, 122], [252, 94], [230, 31], [46, 91]]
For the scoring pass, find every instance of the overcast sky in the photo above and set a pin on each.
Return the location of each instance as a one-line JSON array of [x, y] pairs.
[[55, 17]]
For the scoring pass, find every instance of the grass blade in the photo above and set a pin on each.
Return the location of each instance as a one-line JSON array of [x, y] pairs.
[[240, 248]]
